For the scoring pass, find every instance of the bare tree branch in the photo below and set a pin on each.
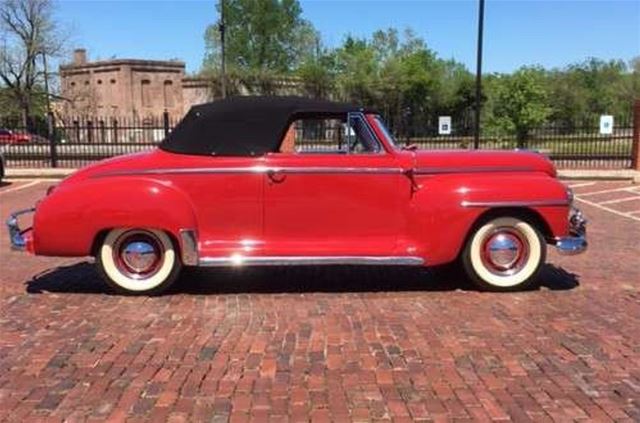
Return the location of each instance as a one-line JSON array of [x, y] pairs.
[[28, 32]]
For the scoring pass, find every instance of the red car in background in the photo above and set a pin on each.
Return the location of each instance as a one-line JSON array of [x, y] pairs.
[[9, 137]]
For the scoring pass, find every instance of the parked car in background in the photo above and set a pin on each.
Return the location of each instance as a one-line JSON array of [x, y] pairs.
[[2, 166], [234, 185], [8, 136]]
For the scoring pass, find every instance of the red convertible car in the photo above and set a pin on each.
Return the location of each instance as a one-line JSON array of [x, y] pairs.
[[235, 184]]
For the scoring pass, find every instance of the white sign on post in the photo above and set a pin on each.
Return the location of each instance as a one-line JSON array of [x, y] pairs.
[[606, 125], [444, 125]]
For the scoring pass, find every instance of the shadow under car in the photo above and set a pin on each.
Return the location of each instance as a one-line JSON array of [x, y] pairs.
[[82, 278]]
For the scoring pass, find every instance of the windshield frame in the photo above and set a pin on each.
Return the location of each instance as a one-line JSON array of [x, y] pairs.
[[385, 132]]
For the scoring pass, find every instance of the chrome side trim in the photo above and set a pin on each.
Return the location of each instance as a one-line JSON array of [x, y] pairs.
[[311, 261], [15, 233], [522, 203], [305, 170], [189, 243], [471, 169], [316, 170], [256, 170]]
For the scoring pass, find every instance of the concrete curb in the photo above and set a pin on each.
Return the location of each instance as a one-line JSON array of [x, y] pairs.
[[600, 175], [568, 174], [32, 173]]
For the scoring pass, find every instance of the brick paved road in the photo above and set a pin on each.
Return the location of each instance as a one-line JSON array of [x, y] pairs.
[[327, 344]]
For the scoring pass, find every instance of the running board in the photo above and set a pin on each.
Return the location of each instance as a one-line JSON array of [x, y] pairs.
[[311, 261]]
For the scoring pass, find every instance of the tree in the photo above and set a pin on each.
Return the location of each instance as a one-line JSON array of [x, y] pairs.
[[261, 35], [29, 35], [317, 74], [357, 71], [521, 102]]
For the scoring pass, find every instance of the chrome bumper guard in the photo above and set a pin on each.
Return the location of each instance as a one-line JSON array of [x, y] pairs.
[[576, 242], [16, 235]]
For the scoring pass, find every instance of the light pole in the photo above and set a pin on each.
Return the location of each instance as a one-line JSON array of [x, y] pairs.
[[476, 140], [46, 82], [223, 76]]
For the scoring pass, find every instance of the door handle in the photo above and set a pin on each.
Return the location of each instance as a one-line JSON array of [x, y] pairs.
[[276, 176]]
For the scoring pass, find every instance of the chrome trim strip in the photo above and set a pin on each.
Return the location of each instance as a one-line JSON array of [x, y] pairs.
[[189, 249], [306, 170], [311, 261], [15, 233], [471, 169], [316, 169], [521, 203], [256, 170]]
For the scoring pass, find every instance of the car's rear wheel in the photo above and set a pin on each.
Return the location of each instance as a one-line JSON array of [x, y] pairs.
[[504, 254], [138, 261]]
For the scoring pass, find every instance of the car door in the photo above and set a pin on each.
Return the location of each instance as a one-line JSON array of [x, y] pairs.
[[334, 203]]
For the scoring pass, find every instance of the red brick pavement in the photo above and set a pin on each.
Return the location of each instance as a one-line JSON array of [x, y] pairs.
[[324, 344]]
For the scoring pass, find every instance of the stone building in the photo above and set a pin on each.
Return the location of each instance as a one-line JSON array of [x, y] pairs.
[[128, 87], [136, 88]]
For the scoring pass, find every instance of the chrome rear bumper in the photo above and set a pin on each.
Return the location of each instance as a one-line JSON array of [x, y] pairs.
[[576, 242], [16, 235]]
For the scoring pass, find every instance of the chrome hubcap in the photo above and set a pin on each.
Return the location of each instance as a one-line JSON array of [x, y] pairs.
[[505, 252], [138, 254]]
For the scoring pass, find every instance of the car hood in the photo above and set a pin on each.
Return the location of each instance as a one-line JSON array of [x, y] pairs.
[[445, 161]]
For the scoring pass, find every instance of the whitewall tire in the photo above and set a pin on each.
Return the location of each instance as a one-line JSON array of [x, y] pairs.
[[138, 261], [504, 254]]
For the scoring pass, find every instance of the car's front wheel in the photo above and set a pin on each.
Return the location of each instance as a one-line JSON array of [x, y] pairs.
[[504, 254], [138, 261]]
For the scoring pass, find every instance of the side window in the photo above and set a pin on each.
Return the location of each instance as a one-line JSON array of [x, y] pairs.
[[330, 136]]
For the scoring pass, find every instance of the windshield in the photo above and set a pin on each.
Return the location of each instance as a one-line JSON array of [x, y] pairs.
[[385, 131]]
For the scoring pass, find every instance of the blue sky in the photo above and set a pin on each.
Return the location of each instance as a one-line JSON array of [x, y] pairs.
[[517, 32]]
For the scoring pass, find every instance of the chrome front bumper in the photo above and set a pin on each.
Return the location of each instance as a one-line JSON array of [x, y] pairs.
[[17, 235], [576, 242]]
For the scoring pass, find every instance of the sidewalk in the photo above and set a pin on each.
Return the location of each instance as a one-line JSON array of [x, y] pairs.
[[569, 174]]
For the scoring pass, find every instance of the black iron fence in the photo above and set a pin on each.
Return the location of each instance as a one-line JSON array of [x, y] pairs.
[[76, 142], [575, 145]]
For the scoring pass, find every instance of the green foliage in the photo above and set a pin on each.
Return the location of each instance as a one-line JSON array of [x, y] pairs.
[[398, 74], [521, 102], [261, 34], [317, 74], [403, 78]]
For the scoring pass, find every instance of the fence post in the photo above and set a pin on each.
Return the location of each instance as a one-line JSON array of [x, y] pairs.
[[115, 130], [51, 136], [165, 122], [635, 151], [89, 131]]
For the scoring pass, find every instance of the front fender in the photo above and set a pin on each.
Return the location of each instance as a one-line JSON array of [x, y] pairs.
[[445, 207], [67, 221]]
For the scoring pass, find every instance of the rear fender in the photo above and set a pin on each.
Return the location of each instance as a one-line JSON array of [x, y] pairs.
[[67, 221]]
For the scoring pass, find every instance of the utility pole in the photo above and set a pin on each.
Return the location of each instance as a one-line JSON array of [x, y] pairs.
[[223, 76], [46, 82], [476, 141]]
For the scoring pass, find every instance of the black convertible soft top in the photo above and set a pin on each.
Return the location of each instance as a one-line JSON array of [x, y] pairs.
[[246, 126]]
